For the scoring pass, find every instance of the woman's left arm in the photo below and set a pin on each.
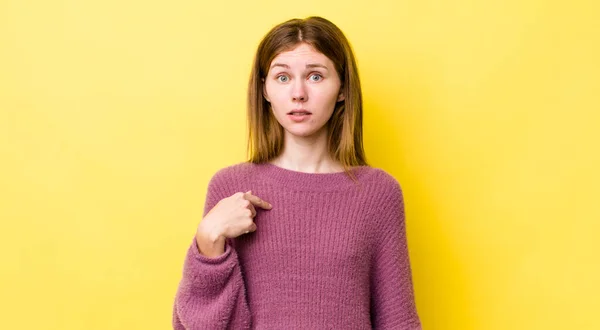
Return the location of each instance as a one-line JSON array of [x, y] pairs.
[[392, 294]]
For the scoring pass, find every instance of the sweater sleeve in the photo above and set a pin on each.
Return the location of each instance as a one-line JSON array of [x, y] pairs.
[[211, 293], [392, 297]]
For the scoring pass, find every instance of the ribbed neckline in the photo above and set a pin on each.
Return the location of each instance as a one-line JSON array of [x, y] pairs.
[[310, 181]]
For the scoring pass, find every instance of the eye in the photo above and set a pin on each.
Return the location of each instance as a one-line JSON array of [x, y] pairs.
[[283, 78], [318, 76]]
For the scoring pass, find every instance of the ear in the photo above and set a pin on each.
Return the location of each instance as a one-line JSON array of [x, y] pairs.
[[264, 90], [341, 96]]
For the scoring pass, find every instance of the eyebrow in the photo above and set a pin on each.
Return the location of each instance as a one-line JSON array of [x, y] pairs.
[[310, 65]]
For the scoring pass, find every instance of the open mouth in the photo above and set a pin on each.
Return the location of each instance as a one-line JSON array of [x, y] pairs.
[[299, 115]]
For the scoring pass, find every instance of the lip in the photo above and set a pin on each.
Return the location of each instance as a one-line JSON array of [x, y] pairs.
[[299, 118], [300, 110]]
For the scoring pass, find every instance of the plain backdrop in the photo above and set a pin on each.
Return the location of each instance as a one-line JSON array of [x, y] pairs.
[[115, 114]]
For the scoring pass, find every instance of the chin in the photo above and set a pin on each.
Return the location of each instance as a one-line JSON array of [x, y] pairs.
[[302, 132]]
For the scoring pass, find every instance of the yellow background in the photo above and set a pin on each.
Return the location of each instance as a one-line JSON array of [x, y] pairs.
[[114, 115]]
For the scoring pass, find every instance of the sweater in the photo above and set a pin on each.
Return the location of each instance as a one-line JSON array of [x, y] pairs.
[[331, 253]]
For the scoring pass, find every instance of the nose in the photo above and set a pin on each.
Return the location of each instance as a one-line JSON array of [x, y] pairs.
[[299, 92]]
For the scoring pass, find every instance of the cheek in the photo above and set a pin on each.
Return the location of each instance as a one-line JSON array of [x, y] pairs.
[[276, 94], [325, 97]]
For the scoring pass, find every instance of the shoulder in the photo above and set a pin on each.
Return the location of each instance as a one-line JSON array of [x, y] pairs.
[[385, 182], [231, 175], [233, 170], [387, 196]]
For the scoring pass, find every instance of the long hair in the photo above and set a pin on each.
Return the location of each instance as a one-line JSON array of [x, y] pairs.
[[345, 136]]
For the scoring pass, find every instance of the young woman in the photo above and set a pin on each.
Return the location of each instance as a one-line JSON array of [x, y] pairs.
[[304, 235]]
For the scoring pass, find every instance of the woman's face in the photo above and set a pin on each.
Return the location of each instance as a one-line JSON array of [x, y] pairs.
[[303, 88]]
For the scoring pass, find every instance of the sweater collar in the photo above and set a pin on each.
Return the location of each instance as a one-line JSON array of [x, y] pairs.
[[310, 181]]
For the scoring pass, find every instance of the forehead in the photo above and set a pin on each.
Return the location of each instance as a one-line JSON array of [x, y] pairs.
[[300, 55]]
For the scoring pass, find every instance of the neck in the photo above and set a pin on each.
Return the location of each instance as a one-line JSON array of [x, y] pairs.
[[307, 154]]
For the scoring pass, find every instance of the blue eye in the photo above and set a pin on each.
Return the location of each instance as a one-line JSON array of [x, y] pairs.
[[316, 75], [283, 78]]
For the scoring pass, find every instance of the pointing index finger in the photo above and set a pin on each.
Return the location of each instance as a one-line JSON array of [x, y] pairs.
[[257, 201]]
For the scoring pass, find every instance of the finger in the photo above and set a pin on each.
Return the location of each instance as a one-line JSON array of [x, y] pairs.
[[257, 201], [252, 209], [250, 229]]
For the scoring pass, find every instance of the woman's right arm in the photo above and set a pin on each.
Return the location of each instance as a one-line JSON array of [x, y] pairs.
[[211, 293]]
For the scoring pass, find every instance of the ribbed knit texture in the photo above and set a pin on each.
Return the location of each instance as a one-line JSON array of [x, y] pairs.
[[330, 254]]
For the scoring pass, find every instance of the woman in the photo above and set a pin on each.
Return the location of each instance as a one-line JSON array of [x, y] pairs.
[[304, 235]]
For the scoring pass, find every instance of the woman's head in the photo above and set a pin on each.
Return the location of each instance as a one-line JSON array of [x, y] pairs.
[[305, 65]]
